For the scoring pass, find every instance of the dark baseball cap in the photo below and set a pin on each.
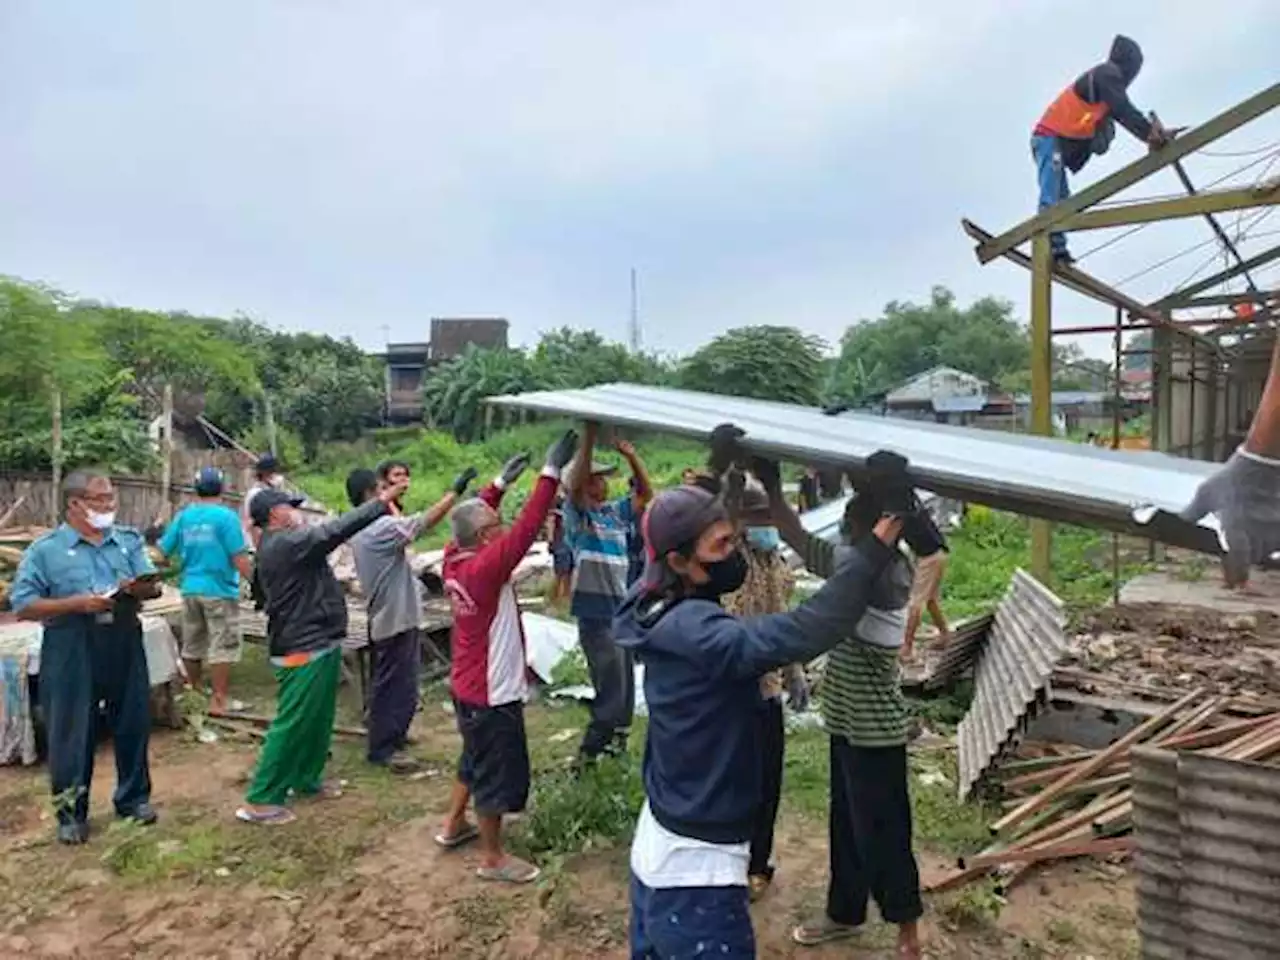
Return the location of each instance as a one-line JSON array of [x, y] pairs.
[[267, 463], [263, 503], [675, 519], [208, 481]]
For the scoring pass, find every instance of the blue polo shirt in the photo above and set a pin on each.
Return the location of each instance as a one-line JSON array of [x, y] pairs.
[[205, 537], [599, 538], [63, 564]]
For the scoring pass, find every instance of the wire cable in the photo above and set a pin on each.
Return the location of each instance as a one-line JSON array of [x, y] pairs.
[[1240, 153]]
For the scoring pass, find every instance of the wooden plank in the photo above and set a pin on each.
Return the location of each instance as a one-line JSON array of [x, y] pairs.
[[1084, 770], [1215, 735], [1053, 851]]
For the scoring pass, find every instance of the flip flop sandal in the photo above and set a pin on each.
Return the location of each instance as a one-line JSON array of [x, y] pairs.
[[468, 833], [513, 871], [822, 931], [275, 817]]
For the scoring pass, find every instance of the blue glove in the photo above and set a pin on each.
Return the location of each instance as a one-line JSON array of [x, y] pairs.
[[1245, 497]]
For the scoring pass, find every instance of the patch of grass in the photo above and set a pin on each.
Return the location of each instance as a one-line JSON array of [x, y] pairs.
[[574, 813], [975, 907], [942, 822], [989, 546], [944, 710], [483, 916], [571, 671], [806, 773], [1063, 931]]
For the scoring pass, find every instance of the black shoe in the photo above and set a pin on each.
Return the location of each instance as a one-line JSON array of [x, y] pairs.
[[1063, 258], [143, 814], [73, 834]]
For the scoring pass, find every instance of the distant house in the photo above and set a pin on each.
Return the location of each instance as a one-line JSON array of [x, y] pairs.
[[942, 394], [407, 364]]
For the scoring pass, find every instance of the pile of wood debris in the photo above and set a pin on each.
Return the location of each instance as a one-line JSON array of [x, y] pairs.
[[1067, 802]]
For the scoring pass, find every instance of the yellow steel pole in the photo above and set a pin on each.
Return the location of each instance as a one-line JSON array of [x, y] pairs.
[[1041, 382]]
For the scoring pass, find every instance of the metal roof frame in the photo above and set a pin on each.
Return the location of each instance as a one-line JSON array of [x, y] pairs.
[[1079, 212]]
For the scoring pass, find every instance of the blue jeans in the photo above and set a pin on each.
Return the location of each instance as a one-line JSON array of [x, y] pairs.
[[690, 922], [1052, 177]]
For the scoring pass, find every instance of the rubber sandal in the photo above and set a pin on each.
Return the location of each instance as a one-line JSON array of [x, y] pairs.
[[468, 833], [818, 932], [273, 817], [513, 871]]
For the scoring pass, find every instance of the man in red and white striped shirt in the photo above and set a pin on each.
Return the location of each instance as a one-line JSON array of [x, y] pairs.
[[489, 673]]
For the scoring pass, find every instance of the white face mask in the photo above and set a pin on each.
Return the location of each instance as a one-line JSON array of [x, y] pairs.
[[275, 481], [100, 521]]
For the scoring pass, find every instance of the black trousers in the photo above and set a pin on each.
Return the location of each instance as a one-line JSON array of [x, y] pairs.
[[870, 835], [81, 663], [393, 692], [772, 743]]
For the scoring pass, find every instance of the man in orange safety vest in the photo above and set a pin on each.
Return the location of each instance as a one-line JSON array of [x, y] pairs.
[[1081, 123]]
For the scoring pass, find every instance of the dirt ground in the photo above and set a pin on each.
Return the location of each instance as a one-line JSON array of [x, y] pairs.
[[360, 876]]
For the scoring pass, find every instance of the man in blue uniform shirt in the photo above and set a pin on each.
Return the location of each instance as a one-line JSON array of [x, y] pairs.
[[85, 581]]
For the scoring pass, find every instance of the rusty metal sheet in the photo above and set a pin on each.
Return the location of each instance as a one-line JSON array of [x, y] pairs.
[[1157, 857], [1229, 815], [1027, 639], [1134, 492]]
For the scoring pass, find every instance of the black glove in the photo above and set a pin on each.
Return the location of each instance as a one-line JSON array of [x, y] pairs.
[[1245, 497], [562, 451], [726, 447], [768, 473], [889, 483], [512, 469], [464, 480]]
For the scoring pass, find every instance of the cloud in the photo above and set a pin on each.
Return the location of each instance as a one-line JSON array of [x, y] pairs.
[[348, 167]]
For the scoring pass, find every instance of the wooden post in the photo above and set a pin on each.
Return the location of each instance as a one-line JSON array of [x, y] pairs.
[[55, 456], [166, 451], [1041, 385]]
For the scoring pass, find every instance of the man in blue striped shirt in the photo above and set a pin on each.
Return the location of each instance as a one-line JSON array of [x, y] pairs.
[[597, 530]]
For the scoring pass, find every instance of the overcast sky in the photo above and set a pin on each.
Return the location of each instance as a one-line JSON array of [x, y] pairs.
[[345, 167]]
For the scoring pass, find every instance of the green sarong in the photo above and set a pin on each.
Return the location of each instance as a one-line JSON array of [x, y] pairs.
[[297, 744]]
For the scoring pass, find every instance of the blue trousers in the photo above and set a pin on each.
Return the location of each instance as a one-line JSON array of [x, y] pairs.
[[690, 922], [82, 663], [1052, 178]]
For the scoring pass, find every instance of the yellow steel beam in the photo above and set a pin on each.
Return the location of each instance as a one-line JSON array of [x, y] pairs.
[[1184, 145], [1196, 205], [1041, 383]]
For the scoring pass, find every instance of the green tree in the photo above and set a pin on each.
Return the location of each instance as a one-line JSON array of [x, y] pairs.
[[454, 394], [983, 339], [764, 362], [573, 359]]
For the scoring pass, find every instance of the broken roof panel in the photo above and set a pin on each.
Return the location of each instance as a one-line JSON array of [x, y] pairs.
[[1034, 476]]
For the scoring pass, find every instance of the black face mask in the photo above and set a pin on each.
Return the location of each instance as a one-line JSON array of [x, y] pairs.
[[726, 575]]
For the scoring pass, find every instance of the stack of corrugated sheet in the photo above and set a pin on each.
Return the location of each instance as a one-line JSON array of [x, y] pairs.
[[1011, 684], [968, 637], [1085, 803]]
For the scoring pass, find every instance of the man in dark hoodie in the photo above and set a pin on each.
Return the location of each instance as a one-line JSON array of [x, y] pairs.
[[306, 624], [702, 765], [1080, 122]]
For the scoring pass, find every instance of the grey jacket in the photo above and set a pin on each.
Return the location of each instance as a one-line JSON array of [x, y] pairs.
[[306, 611]]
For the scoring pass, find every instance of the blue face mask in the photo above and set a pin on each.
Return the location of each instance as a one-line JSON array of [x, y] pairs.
[[764, 538]]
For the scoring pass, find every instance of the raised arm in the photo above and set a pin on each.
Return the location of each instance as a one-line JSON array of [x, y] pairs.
[[580, 471], [500, 558], [816, 554], [643, 491], [754, 645], [314, 543]]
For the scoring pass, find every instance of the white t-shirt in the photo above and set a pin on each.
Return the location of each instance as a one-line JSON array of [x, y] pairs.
[[661, 859]]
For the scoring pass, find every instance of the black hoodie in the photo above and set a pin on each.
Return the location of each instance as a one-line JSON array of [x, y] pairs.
[[1109, 83]]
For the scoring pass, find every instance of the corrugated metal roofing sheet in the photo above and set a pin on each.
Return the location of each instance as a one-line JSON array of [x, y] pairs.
[[1158, 848], [1011, 682], [967, 640], [1035, 476], [1208, 840]]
